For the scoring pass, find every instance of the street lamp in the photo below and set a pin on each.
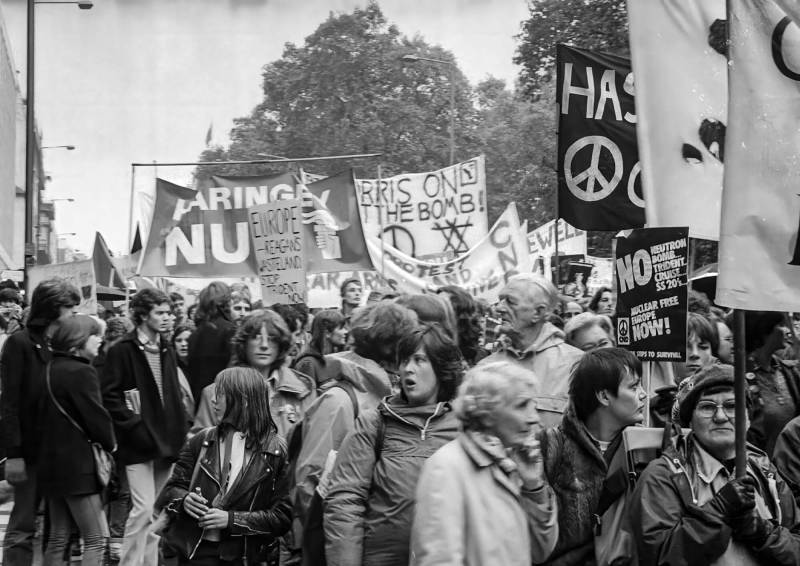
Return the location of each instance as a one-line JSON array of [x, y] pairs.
[[30, 127], [67, 147], [452, 67]]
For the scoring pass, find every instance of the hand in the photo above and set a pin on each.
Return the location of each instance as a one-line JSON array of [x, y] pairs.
[[750, 529], [528, 458], [195, 505], [15, 471], [737, 497], [214, 519]]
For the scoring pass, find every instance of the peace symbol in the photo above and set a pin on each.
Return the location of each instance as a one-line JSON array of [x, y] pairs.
[[635, 172], [592, 174]]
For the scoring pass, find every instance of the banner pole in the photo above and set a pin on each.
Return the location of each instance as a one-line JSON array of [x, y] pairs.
[[740, 391], [380, 223], [129, 243], [558, 177], [647, 370], [692, 259]]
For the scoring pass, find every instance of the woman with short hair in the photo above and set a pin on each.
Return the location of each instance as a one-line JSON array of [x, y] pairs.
[[328, 335], [483, 498], [588, 332]]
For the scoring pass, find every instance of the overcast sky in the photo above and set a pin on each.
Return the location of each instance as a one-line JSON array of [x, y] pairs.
[[141, 80]]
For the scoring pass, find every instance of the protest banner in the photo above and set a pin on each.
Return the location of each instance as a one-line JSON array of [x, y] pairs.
[[427, 214], [276, 229], [481, 271], [651, 270], [324, 288], [602, 273], [759, 264], [599, 185], [678, 54], [78, 273], [542, 243]]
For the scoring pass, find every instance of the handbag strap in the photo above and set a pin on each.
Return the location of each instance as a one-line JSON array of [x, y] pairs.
[[58, 405]]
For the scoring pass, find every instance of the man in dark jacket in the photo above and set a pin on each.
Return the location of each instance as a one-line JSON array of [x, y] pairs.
[[606, 396], [688, 507], [22, 364], [142, 393]]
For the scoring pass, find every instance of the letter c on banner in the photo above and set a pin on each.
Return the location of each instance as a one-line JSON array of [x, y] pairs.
[[494, 233], [777, 49]]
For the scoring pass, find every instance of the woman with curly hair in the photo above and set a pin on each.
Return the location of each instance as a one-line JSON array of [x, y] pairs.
[[370, 500]]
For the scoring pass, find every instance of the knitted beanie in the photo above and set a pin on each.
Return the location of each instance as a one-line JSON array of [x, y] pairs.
[[691, 388]]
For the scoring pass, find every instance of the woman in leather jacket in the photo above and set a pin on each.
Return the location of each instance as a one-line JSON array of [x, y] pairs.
[[229, 491]]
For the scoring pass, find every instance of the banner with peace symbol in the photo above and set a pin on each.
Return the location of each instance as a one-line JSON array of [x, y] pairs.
[[599, 185]]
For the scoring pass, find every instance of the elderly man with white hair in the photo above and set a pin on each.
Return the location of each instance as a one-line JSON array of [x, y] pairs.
[[535, 344], [483, 498]]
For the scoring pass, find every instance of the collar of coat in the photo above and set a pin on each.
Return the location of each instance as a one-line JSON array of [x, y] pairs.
[[577, 431], [487, 454]]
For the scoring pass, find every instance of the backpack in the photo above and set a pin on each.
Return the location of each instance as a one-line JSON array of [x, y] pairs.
[[313, 526]]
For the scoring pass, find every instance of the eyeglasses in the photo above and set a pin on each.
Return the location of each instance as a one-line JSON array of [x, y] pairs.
[[707, 409]]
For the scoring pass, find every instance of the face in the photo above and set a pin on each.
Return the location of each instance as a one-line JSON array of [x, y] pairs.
[[182, 344], [262, 349], [627, 406], [591, 338], [239, 310], [515, 421], [778, 339], [418, 380], [338, 337], [177, 307], [298, 341], [606, 304], [8, 309], [89, 350], [571, 310], [698, 355], [716, 433], [518, 308], [725, 351], [66, 312], [352, 294], [159, 318]]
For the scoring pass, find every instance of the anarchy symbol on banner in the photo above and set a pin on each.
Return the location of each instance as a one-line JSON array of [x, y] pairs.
[[635, 172], [592, 174]]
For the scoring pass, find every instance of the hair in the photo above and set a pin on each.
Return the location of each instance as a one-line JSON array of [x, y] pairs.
[[443, 353], [71, 333], [174, 297], [347, 282], [237, 297], [587, 320], [488, 386], [145, 301], [251, 327], [246, 395], [324, 322], [242, 289], [757, 326], [705, 329], [377, 329], [302, 310], [180, 329], [48, 298], [547, 290], [214, 302], [597, 296], [556, 320], [468, 321], [116, 328], [432, 308], [289, 315], [597, 371], [9, 295], [698, 302], [191, 311]]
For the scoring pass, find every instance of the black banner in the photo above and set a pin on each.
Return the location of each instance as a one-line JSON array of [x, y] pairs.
[[599, 180], [650, 268]]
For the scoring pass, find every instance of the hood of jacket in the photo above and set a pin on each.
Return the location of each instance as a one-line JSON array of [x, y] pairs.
[[364, 374], [550, 336]]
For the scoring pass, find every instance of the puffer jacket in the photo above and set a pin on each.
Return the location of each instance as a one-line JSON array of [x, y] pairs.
[[258, 502], [671, 529], [370, 504], [551, 359], [576, 470]]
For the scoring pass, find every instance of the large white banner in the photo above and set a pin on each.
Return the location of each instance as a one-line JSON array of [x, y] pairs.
[[79, 273], [482, 271], [759, 267], [429, 216], [679, 65]]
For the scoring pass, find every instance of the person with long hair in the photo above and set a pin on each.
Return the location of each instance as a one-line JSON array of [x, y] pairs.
[[468, 318], [73, 416], [229, 490], [370, 501], [328, 335]]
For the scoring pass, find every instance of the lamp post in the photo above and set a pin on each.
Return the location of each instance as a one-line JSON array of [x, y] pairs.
[[30, 127], [452, 67]]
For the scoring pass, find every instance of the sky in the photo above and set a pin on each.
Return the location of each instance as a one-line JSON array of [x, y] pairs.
[[142, 80]]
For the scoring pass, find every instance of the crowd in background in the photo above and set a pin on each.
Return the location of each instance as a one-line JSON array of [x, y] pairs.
[[402, 429]]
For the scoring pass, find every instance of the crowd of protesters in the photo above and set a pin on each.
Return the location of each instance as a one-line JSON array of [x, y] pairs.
[[421, 429]]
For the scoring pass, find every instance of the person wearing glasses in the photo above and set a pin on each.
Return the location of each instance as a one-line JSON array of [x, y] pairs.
[[690, 508]]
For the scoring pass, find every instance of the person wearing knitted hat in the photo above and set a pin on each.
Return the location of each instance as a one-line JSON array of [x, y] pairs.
[[689, 508]]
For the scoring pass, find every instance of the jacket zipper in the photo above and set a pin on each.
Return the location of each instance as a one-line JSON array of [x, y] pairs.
[[423, 429]]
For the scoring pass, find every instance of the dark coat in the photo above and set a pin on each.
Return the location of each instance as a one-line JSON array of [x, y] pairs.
[[24, 357], [65, 453], [576, 470], [786, 456], [258, 503], [159, 430], [209, 353], [671, 529], [312, 363]]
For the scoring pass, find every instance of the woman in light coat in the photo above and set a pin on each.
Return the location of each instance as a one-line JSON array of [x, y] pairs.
[[483, 498]]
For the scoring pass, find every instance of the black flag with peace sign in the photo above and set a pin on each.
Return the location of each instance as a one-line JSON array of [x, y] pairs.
[[599, 185]]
